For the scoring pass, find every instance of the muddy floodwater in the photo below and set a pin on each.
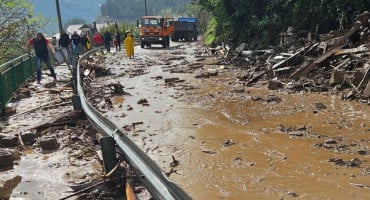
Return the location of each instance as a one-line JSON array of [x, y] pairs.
[[234, 142]]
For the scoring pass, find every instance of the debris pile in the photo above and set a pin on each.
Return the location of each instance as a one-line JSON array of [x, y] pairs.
[[340, 61]]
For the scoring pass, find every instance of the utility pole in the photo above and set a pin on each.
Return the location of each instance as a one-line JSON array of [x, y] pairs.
[[146, 11], [58, 15]]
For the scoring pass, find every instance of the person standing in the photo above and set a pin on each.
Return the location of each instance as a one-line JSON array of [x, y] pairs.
[[129, 43], [83, 42], [97, 39], [107, 40], [41, 45], [64, 44], [75, 38], [118, 41], [88, 45]]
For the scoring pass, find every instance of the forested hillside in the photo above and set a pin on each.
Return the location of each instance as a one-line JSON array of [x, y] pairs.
[[258, 22], [134, 9]]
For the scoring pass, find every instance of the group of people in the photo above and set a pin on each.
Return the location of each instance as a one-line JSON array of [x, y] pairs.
[[76, 43], [99, 40], [42, 46]]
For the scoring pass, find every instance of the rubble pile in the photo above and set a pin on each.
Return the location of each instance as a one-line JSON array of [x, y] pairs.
[[338, 61]]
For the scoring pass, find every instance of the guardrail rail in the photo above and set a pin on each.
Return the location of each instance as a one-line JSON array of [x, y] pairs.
[[151, 175]]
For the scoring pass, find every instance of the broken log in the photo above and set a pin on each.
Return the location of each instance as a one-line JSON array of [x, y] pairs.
[[281, 63], [359, 49], [306, 69]]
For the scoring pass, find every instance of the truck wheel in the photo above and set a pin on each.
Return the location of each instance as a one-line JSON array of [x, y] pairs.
[[142, 45]]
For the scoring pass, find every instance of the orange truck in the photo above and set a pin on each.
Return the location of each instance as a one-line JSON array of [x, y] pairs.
[[156, 30]]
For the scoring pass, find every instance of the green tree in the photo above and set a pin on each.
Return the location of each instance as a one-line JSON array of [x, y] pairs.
[[17, 25], [131, 10], [258, 22]]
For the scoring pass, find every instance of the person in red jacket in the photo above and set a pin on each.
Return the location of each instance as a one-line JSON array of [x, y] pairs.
[[41, 45], [97, 39]]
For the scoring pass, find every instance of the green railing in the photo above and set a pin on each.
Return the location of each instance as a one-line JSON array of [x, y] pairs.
[[12, 75]]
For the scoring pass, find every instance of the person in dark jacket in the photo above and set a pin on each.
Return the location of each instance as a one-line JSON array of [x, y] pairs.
[[83, 42], [75, 38], [41, 45], [107, 40], [118, 41], [64, 44]]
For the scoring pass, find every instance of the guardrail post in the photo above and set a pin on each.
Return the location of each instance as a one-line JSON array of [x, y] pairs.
[[108, 147], [76, 101]]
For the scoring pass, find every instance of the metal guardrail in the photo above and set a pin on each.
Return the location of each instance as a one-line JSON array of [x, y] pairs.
[[151, 175], [12, 75]]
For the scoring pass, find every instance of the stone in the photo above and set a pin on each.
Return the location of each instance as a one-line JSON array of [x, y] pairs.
[[9, 141], [48, 143], [274, 85], [28, 137], [6, 158]]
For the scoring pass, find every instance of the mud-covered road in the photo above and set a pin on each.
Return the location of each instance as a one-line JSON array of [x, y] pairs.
[[234, 142], [228, 141]]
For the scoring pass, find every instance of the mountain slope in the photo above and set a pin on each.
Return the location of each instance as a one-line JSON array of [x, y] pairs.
[[69, 9]]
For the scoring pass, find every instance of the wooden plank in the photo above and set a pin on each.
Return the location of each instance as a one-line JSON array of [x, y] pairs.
[[292, 57], [306, 69], [353, 50]]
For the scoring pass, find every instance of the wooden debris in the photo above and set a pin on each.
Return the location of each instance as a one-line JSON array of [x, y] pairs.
[[337, 62]]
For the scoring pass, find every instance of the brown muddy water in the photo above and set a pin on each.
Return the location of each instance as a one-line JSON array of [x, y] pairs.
[[241, 143]]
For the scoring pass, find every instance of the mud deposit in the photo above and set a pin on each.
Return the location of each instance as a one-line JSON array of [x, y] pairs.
[[234, 142]]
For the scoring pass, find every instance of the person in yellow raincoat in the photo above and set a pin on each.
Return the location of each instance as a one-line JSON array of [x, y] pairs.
[[129, 43], [88, 45]]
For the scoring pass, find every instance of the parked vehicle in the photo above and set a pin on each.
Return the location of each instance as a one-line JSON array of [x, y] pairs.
[[155, 30], [185, 28]]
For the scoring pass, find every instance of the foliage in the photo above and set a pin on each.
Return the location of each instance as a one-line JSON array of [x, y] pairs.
[[203, 16], [130, 10], [258, 22], [17, 25], [210, 35]]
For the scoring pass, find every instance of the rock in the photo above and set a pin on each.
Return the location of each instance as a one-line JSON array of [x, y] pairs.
[[171, 80], [330, 141], [319, 106], [273, 98], [28, 137], [274, 85], [9, 141], [6, 158], [142, 101], [48, 143]]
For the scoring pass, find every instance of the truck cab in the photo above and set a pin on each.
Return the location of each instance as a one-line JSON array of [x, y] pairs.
[[155, 30]]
